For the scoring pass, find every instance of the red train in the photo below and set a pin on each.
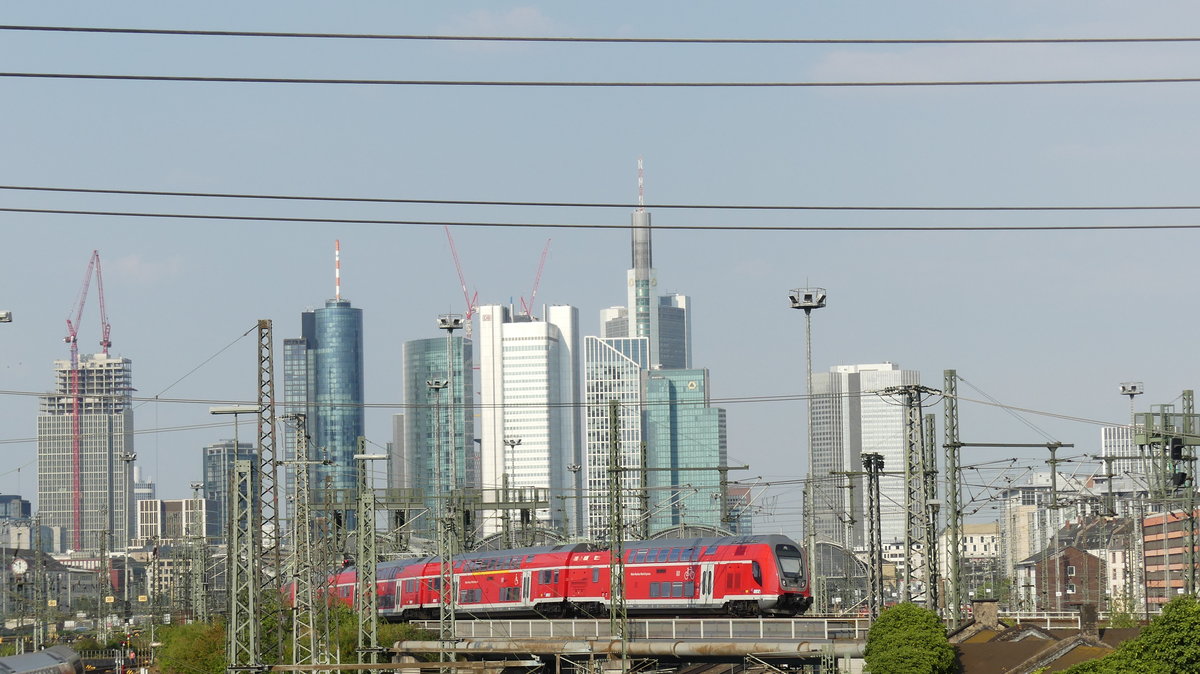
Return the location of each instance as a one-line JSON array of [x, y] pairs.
[[737, 575]]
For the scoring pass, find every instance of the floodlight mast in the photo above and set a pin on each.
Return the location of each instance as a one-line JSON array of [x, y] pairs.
[[809, 299]]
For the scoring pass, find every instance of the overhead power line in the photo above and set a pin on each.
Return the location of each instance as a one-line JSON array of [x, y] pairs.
[[593, 204], [591, 84], [549, 225], [599, 39]]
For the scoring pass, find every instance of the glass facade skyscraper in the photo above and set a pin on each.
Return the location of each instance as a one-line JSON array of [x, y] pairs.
[[613, 371], [683, 431], [218, 467], [426, 421], [323, 379]]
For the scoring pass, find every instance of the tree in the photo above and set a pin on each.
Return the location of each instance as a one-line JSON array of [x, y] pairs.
[[195, 648], [1170, 644], [907, 639]]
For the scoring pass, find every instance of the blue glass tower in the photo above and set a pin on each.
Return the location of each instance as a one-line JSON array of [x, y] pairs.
[[323, 379], [427, 421], [682, 431]]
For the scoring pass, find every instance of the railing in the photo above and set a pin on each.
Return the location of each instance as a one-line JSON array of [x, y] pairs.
[[676, 629]]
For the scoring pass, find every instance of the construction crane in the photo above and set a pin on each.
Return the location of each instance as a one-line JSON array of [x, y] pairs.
[[537, 281], [462, 280], [72, 340]]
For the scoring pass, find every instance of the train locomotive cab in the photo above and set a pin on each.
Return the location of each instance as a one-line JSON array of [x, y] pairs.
[[794, 594]]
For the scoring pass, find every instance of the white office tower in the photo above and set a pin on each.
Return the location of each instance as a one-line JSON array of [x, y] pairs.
[[850, 419], [85, 479], [529, 417], [1116, 442]]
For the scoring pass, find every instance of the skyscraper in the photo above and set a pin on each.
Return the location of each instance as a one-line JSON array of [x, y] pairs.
[[427, 418], [323, 379], [849, 420], [613, 372], [101, 476], [683, 432], [218, 467], [664, 321], [529, 389]]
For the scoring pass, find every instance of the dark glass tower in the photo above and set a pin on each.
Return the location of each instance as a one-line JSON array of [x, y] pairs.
[[323, 379]]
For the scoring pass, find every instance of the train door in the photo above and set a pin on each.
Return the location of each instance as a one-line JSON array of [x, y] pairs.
[[525, 581], [705, 594]]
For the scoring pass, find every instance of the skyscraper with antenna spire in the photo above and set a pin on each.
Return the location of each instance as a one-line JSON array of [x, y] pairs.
[[643, 360], [323, 379], [663, 320]]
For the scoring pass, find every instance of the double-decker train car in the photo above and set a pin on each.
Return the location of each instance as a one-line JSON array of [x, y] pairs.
[[736, 575], [53, 660]]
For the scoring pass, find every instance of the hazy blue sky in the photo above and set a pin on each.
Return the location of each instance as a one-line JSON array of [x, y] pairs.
[[1050, 321]]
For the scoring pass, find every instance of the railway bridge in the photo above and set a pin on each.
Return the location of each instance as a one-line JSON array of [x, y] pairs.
[[587, 645]]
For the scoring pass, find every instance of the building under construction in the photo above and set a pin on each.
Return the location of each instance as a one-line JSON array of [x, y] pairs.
[[83, 475]]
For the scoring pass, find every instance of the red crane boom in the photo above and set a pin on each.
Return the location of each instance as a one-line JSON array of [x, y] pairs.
[[72, 339], [537, 281]]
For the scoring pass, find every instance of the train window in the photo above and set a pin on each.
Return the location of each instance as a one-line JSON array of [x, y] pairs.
[[510, 594], [556, 576], [435, 584], [676, 589], [687, 589], [756, 572], [653, 590], [712, 549], [740, 550], [543, 577], [640, 556], [789, 559], [674, 555], [686, 555], [662, 554], [596, 575], [410, 586]]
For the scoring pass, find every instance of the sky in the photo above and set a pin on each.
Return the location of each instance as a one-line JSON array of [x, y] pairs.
[[1048, 321]]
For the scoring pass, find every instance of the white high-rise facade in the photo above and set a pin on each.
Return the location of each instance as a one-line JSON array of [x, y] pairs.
[[529, 389], [86, 488], [850, 419], [613, 372], [1117, 442]]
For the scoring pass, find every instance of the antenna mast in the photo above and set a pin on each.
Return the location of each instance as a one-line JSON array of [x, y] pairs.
[[337, 269], [641, 187]]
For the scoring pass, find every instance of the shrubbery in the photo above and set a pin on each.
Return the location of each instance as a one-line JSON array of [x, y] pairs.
[[907, 639]]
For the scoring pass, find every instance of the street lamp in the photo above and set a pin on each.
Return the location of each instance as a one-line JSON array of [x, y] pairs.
[[808, 299], [505, 524]]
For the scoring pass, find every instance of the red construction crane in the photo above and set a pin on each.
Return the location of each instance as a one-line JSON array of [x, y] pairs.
[[462, 280], [72, 339], [537, 281]]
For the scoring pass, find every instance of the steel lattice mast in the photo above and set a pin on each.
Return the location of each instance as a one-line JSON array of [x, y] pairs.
[[929, 480], [303, 621], [242, 639], [618, 618], [915, 491], [952, 447], [873, 463], [199, 561], [367, 601]]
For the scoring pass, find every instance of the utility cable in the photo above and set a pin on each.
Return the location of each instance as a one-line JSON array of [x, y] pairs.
[[547, 225], [586, 204], [573, 84], [599, 39]]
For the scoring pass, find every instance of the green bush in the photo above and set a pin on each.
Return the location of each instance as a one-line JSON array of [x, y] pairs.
[[1170, 644], [195, 648], [907, 639]]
